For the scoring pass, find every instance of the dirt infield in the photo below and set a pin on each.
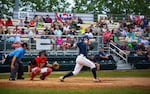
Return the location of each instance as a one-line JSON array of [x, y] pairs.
[[78, 82]]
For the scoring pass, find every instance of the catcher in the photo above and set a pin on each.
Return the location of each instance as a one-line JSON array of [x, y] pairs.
[[39, 65]]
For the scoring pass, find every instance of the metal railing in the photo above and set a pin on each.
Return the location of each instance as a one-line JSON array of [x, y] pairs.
[[118, 52], [5, 46]]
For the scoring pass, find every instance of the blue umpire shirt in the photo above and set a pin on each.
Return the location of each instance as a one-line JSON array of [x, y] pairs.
[[19, 53]]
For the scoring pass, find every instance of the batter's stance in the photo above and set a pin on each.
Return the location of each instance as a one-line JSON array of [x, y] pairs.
[[81, 60]]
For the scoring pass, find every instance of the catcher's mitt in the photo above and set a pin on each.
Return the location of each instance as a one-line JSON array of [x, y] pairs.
[[55, 65]]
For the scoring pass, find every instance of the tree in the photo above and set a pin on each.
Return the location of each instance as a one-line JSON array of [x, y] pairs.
[[6, 7]]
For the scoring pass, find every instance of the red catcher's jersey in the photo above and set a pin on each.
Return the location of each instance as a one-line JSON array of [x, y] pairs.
[[39, 60]]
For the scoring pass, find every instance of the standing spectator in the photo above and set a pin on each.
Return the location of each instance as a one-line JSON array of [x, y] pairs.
[[57, 30], [26, 22], [9, 22], [48, 19]]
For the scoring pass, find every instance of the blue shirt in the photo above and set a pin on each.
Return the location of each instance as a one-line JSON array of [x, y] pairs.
[[82, 48], [19, 53], [102, 53]]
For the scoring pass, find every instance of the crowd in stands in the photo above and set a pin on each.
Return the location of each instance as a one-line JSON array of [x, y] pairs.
[[129, 36]]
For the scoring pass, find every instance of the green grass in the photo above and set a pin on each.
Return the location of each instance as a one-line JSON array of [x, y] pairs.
[[126, 90], [113, 73]]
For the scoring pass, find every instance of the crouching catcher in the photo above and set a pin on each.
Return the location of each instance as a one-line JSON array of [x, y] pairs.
[[39, 66]]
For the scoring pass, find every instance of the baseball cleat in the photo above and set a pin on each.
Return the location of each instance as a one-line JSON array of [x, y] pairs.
[[42, 78], [96, 80], [12, 79], [61, 79]]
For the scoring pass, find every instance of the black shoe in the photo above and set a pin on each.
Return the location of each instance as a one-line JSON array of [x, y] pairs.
[[42, 78], [11, 79], [20, 78]]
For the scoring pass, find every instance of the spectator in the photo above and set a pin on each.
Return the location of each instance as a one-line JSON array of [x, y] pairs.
[[59, 42], [1, 21], [106, 36], [97, 30], [51, 32], [128, 38], [9, 22], [66, 28], [27, 30], [22, 32], [140, 49], [46, 29], [41, 19], [80, 20], [104, 56], [72, 31], [48, 19], [144, 41], [31, 23], [16, 29], [89, 33], [26, 22], [57, 31], [21, 23]]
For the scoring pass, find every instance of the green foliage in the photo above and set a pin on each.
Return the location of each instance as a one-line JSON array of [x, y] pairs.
[[125, 90]]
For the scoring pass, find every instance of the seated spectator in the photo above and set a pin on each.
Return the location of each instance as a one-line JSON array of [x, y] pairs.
[[144, 41], [27, 30], [66, 28], [31, 23], [57, 30], [22, 32], [80, 20], [26, 22], [128, 38], [94, 60], [140, 49], [51, 32], [42, 19], [21, 23], [9, 22], [48, 19], [72, 32], [104, 56], [1, 21], [97, 30], [46, 29], [59, 42], [89, 33], [16, 29]]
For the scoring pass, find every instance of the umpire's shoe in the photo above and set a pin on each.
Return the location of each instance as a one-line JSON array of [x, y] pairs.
[[20, 78], [12, 79]]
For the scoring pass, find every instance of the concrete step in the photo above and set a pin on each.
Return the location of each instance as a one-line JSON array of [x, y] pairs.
[[123, 66]]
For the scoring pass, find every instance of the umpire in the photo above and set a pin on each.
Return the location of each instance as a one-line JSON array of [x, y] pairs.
[[14, 58]]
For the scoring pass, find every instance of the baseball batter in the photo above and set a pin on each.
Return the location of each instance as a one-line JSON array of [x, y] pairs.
[[39, 66], [82, 60]]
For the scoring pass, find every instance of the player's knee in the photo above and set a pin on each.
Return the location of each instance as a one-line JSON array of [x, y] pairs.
[[75, 73], [49, 70], [38, 70]]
